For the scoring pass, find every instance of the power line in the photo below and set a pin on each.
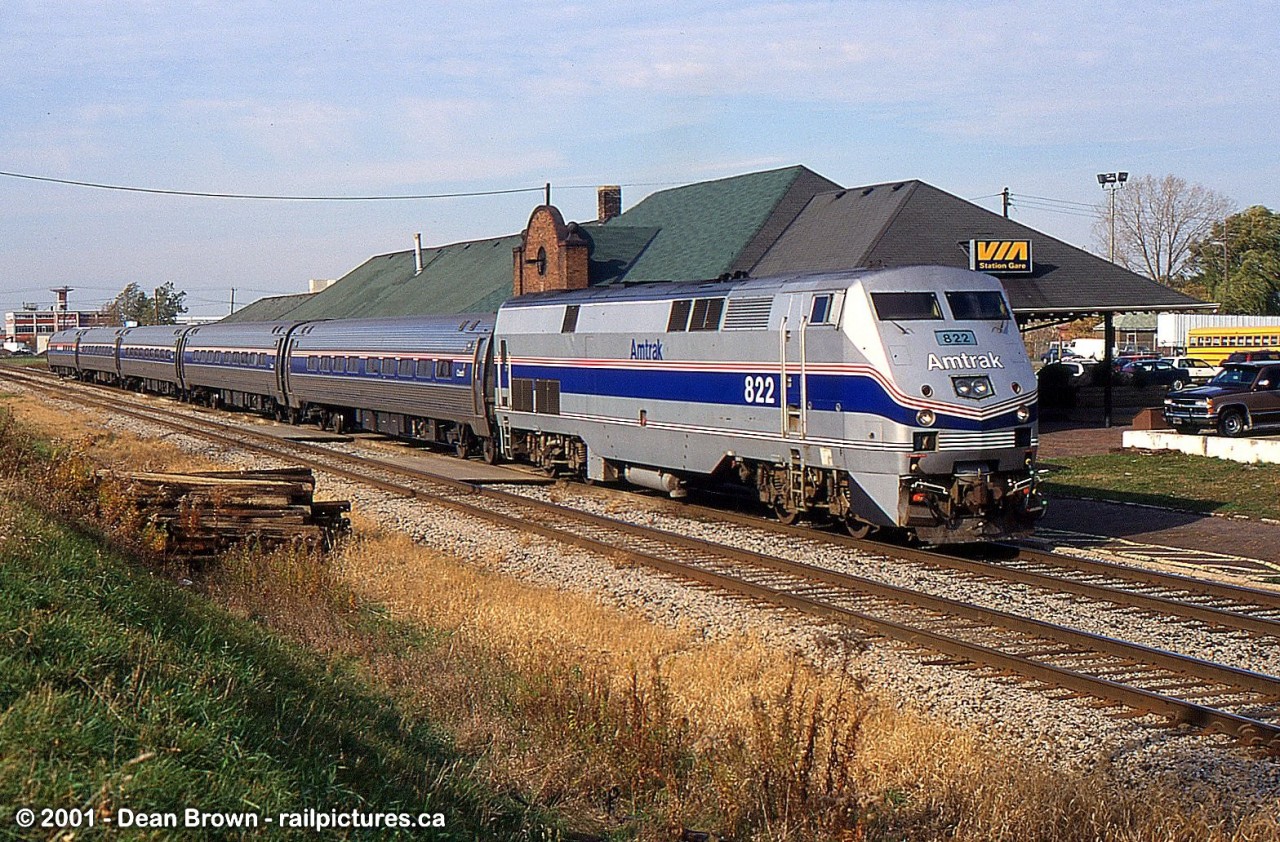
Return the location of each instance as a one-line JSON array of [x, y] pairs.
[[202, 194], [208, 194]]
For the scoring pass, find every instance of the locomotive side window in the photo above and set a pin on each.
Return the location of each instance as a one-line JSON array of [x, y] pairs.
[[570, 323], [820, 312], [906, 306], [706, 314], [983, 305], [679, 320]]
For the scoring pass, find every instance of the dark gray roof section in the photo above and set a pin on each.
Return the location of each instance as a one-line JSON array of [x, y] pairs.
[[911, 223]]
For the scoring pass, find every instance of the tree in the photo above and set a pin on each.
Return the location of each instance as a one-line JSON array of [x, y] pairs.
[[134, 305], [1237, 262], [1156, 223]]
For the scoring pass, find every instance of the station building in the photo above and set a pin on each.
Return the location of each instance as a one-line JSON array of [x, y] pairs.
[[764, 223]]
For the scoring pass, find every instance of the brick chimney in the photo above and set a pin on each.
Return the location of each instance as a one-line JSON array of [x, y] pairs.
[[608, 202], [552, 256]]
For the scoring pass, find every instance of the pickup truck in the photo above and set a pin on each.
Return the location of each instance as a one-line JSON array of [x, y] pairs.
[[1242, 397]]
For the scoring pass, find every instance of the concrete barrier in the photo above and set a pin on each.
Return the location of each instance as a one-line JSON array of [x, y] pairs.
[[1250, 451]]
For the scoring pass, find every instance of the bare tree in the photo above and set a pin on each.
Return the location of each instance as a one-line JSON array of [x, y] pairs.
[[1157, 221]]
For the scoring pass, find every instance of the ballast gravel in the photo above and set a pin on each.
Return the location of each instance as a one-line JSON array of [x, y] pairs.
[[1073, 732]]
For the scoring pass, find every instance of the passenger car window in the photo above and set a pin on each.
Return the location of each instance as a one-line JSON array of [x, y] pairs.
[[443, 369]]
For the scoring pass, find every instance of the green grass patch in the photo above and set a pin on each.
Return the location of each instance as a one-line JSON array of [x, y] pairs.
[[24, 361], [1173, 480], [121, 689]]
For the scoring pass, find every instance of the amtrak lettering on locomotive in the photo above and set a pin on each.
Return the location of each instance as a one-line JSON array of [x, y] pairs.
[[895, 398]]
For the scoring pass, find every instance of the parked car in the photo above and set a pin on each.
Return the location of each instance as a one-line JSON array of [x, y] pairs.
[[1241, 398], [1157, 372], [1252, 356], [1123, 360], [1198, 370]]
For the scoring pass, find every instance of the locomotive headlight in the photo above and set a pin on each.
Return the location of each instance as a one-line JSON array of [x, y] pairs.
[[925, 418], [1023, 413], [974, 388]]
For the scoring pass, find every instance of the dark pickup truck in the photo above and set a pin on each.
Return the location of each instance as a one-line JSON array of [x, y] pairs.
[[1240, 398]]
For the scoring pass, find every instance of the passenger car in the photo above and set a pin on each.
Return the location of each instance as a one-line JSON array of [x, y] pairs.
[[1240, 398], [1198, 370], [1154, 373]]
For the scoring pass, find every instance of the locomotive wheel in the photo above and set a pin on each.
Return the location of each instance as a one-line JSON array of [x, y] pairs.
[[489, 450], [339, 423], [786, 515], [462, 447], [858, 528]]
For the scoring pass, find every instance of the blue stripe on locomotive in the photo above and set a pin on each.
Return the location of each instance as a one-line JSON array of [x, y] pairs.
[[854, 393]]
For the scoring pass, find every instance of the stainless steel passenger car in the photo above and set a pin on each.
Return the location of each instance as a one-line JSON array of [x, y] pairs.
[[61, 354], [149, 358], [890, 398], [420, 377], [236, 364], [96, 354]]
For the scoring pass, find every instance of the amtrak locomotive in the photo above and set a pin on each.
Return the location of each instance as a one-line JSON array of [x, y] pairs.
[[896, 398]]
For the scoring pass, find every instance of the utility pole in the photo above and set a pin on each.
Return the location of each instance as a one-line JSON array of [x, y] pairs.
[[1004, 199], [156, 319], [233, 299]]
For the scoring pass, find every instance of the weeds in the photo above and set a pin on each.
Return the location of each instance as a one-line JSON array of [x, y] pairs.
[[634, 731]]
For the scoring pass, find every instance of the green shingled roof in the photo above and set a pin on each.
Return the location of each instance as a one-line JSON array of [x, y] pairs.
[[706, 228], [472, 277], [271, 309]]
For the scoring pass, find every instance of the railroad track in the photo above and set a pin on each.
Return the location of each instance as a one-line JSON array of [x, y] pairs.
[[1188, 690]]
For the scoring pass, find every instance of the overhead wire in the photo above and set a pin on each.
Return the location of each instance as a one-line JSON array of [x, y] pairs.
[[210, 194]]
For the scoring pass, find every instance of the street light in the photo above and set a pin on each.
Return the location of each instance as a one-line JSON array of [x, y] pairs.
[[1111, 182]]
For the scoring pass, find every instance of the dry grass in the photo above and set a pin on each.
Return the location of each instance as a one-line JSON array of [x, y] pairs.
[[637, 730]]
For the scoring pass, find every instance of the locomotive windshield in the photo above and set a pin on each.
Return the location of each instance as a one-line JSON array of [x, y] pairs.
[[983, 305], [904, 306]]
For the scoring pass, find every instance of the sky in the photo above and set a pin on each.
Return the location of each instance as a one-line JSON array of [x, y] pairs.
[[394, 99]]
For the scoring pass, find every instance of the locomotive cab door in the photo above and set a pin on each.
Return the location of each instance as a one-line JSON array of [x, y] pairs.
[[792, 367]]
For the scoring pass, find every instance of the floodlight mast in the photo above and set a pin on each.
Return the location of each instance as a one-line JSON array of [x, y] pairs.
[[1111, 182]]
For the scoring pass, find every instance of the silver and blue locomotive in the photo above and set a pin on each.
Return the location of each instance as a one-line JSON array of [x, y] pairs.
[[895, 398], [891, 398]]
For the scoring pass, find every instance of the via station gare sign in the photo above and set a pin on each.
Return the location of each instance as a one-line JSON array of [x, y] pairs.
[[1011, 257]]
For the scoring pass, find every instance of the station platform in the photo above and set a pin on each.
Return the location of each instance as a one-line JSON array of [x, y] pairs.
[[1237, 545]]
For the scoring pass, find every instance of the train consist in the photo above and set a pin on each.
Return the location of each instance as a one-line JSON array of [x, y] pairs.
[[897, 398]]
